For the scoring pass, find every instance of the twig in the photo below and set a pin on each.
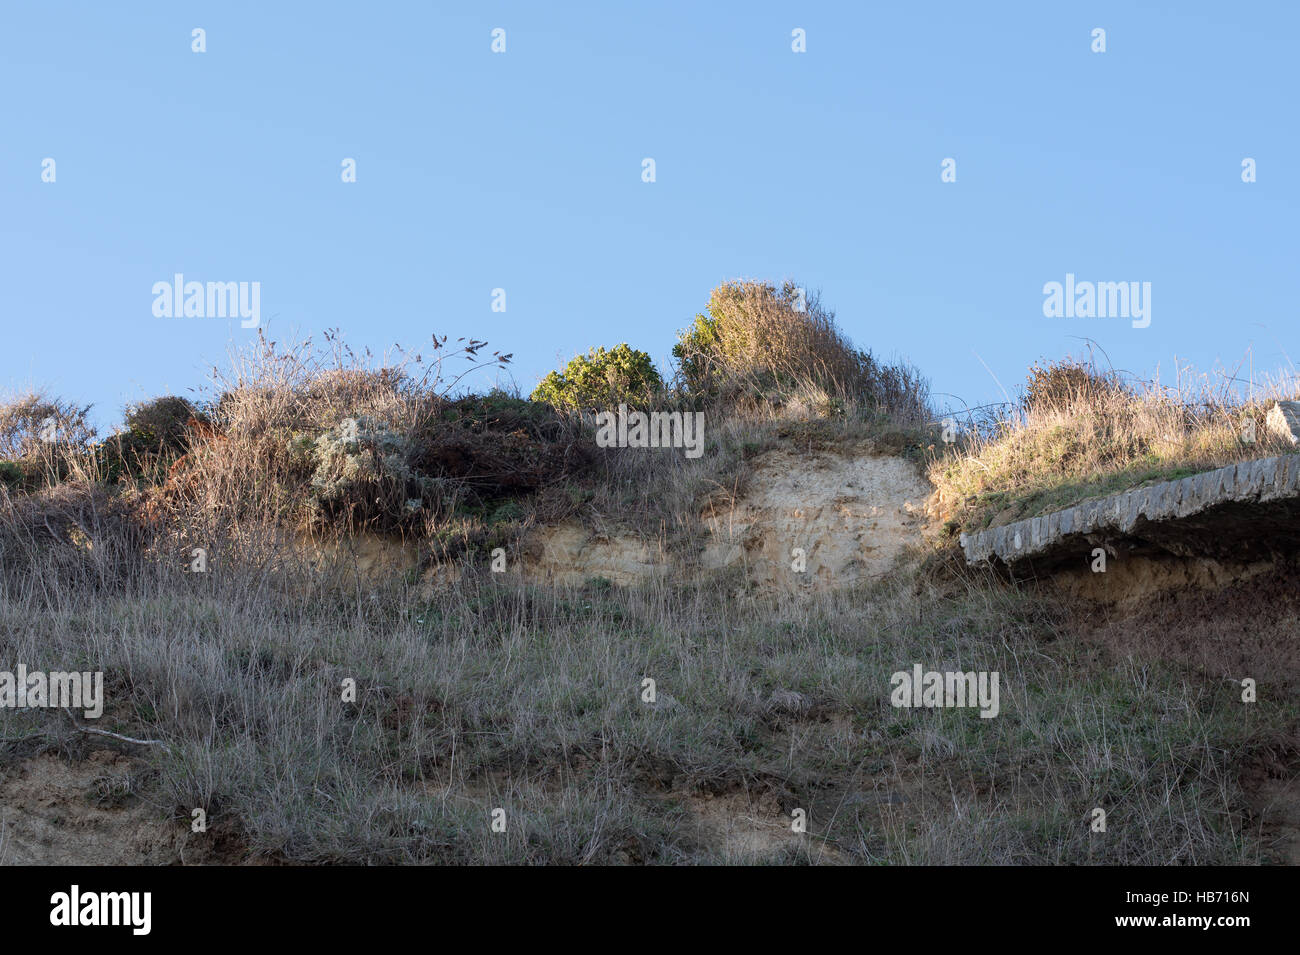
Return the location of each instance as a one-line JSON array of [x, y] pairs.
[[119, 736]]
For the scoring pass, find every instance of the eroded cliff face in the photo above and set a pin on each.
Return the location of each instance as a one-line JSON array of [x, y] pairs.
[[1133, 580], [570, 554], [808, 521], [821, 520], [843, 517]]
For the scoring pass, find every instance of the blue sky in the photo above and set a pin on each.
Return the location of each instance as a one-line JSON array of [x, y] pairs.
[[522, 171]]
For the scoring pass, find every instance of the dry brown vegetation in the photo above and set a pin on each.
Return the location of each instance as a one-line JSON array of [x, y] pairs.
[[494, 691], [762, 348], [1080, 432]]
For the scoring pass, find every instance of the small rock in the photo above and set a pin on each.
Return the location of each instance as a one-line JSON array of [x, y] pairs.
[[1284, 420]]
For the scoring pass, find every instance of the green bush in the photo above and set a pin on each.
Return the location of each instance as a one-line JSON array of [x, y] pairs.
[[160, 423], [601, 379], [13, 474], [154, 434]]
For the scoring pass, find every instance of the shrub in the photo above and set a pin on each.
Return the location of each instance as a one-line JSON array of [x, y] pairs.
[[34, 424], [44, 440], [601, 379], [13, 474], [160, 423], [497, 445], [361, 473], [1066, 383], [300, 440], [760, 337], [699, 356], [474, 455], [760, 343], [155, 434]]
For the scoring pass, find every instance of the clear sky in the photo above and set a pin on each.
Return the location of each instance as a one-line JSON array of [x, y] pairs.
[[522, 170]]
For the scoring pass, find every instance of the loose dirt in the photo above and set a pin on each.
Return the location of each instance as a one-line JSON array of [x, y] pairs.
[[86, 812]]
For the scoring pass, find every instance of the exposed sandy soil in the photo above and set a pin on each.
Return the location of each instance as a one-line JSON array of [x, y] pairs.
[[372, 557], [851, 512], [56, 813], [1245, 628], [742, 828], [53, 812], [570, 554], [1135, 580]]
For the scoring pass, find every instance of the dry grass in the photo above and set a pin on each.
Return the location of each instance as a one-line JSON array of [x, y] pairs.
[[763, 347], [496, 693], [1092, 440]]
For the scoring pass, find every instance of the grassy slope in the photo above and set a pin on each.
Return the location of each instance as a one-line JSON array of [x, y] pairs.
[[1057, 457], [498, 694]]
